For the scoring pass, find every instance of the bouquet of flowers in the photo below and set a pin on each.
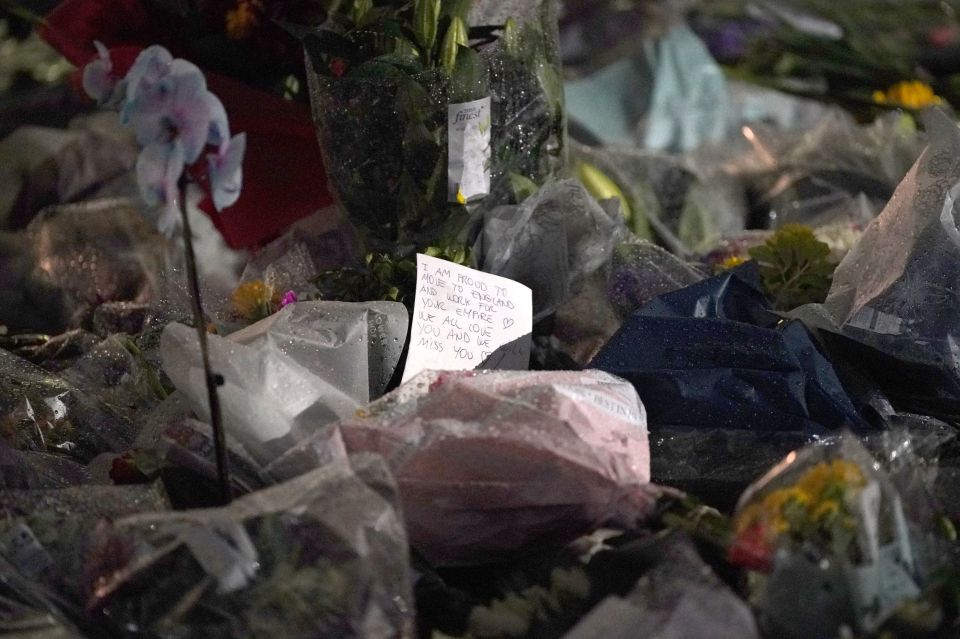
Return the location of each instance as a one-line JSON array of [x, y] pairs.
[[826, 518], [423, 118], [862, 54], [324, 555]]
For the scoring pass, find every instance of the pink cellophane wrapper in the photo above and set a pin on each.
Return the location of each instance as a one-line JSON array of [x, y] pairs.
[[488, 462]]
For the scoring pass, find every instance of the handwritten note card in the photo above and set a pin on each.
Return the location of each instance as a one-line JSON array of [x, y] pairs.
[[463, 319]]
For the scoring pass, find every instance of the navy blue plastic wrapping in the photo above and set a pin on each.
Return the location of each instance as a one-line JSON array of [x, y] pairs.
[[712, 355], [713, 365]]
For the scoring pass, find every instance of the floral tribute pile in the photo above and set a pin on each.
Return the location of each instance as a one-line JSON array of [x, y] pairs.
[[339, 319]]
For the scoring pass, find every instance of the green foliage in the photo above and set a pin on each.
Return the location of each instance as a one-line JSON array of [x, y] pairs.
[[881, 44], [383, 276], [426, 22], [795, 266]]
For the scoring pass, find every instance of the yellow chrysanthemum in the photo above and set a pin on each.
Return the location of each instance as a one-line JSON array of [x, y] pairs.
[[816, 499], [255, 300], [825, 510], [911, 95], [243, 18], [838, 472]]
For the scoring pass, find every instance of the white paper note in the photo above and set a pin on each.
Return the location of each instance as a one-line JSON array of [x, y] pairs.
[[463, 318]]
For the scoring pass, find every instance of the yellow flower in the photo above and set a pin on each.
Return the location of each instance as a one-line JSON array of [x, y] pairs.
[[731, 262], [825, 510], [833, 473], [243, 18], [255, 300], [913, 95]]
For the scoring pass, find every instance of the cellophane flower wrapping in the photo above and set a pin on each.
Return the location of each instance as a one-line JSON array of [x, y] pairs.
[[893, 298], [324, 555], [45, 414], [385, 125], [831, 542], [293, 373], [488, 462]]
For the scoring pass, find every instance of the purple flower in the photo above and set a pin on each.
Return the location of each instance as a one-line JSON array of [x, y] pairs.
[[176, 105], [98, 80], [159, 168], [290, 297], [166, 102], [225, 169], [150, 67]]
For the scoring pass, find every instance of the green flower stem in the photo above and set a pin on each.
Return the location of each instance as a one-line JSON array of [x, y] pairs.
[[212, 380]]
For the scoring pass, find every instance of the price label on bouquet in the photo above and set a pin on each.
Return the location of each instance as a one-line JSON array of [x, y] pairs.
[[465, 319]]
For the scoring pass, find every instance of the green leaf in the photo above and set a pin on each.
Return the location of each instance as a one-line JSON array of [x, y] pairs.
[[470, 78], [426, 20], [795, 267], [360, 10], [511, 37], [455, 38], [522, 186]]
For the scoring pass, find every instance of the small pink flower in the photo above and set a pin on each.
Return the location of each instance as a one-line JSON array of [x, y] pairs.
[[290, 297]]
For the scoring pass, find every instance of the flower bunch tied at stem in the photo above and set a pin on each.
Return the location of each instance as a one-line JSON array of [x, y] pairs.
[[185, 138]]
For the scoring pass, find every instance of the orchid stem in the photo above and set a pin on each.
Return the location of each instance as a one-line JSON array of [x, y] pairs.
[[212, 380]]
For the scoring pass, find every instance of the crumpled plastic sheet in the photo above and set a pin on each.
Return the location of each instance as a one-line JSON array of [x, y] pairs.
[[26, 614], [810, 588], [314, 244], [28, 470], [679, 597], [42, 412], [293, 372], [638, 272], [123, 372], [72, 258], [894, 298], [41, 166], [99, 501], [551, 242], [837, 171], [324, 555], [712, 355], [488, 462]]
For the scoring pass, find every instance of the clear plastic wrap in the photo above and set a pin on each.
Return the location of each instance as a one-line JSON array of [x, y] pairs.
[[28, 470], [679, 597], [110, 502], [551, 242], [293, 372], [638, 272], [837, 173], [324, 555], [314, 244], [489, 462], [893, 297], [93, 252], [831, 542], [391, 125], [42, 412]]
